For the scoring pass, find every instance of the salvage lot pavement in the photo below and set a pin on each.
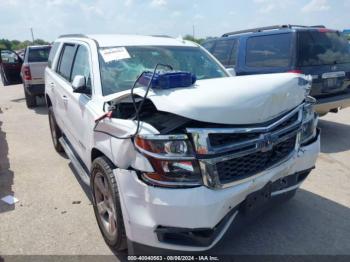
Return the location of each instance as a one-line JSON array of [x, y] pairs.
[[55, 216]]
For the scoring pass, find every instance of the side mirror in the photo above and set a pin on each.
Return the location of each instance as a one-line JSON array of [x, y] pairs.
[[79, 85], [231, 71]]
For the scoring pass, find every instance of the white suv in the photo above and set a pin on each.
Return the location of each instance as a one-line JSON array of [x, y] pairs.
[[173, 167]]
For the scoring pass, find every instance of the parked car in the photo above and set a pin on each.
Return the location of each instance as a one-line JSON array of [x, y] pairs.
[[315, 50], [33, 72], [173, 148], [10, 67]]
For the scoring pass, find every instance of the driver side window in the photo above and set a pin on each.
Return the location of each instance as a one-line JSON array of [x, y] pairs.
[[81, 65]]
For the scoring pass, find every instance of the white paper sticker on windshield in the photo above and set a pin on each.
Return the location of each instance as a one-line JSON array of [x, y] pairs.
[[116, 53]]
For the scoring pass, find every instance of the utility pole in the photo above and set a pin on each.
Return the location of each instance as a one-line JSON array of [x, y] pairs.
[[31, 30]]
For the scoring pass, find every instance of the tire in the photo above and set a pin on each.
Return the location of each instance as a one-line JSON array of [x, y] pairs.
[[56, 133], [30, 99], [106, 204]]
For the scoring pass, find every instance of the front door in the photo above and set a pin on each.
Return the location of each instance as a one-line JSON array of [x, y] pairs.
[[11, 65]]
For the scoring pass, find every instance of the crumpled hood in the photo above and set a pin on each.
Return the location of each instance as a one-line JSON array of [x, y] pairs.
[[234, 100]]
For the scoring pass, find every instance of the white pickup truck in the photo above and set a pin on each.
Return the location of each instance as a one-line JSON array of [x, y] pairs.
[[33, 72], [173, 168]]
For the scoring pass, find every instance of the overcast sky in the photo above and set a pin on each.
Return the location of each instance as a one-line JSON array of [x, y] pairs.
[[50, 18]]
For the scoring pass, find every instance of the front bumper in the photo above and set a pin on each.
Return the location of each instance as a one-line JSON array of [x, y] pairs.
[[325, 104], [149, 211]]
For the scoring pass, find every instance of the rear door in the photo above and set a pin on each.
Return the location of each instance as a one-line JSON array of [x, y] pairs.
[[11, 65], [37, 60], [325, 55], [61, 85], [72, 107]]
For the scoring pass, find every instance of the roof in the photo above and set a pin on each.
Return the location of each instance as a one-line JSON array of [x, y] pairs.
[[38, 46], [133, 40], [274, 28]]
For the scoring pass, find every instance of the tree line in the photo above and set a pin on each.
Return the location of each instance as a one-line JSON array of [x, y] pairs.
[[17, 45]]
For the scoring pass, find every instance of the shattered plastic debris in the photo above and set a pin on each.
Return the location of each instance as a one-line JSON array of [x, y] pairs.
[[10, 200]]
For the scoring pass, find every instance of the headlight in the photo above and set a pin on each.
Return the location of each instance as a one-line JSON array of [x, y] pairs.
[[309, 124], [172, 158]]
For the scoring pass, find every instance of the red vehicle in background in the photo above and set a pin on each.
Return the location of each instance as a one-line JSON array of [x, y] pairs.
[[10, 67]]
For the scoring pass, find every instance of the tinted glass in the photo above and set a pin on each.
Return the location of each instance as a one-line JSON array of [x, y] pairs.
[[81, 65], [233, 57], [120, 74], [38, 54], [52, 54], [269, 51], [66, 61], [208, 45], [222, 51], [322, 48]]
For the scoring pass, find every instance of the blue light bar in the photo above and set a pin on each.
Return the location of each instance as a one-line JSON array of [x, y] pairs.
[[168, 80]]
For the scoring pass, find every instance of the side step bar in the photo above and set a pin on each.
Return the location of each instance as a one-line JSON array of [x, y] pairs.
[[77, 166]]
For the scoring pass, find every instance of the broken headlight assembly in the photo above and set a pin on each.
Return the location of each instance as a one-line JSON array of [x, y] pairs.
[[309, 122], [172, 158]]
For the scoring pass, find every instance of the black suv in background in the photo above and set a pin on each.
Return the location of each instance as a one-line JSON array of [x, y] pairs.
[[311, 50]]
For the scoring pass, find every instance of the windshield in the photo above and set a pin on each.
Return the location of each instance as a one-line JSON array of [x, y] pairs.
[[322, 48], [39, 54], [120, 66]]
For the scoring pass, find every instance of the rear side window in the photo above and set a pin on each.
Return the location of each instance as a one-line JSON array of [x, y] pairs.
[[52, 54], [222, 51], [322, 48], [269, 50], [66, 61], [38, 54]]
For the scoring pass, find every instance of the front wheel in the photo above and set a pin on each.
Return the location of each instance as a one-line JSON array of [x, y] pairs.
[[106, 204]]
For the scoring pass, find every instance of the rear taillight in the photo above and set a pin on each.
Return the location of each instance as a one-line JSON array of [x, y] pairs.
[[324, 30], [26, 73], [296, 71]]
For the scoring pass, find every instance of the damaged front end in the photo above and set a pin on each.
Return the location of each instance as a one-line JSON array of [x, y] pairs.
[[188, 152]]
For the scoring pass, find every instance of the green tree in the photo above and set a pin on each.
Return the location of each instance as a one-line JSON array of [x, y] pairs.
[[16, 44], [191, 38]]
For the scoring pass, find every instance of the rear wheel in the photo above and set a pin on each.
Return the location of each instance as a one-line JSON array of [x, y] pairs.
[[56, 133], [106, 203], [30, 99]]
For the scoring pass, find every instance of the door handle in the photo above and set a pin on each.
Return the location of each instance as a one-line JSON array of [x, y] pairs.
[[65, 98]]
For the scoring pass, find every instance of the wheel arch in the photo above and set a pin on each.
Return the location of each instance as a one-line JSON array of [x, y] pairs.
[[48, 100], [95, 153]]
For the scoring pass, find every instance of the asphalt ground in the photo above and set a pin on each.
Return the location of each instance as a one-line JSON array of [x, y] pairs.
[[54, 215]]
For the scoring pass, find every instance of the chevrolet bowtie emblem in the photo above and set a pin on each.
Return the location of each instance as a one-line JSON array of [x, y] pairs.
[[267, 142]]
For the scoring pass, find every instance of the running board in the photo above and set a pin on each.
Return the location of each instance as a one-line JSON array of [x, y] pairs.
[[77, 166]]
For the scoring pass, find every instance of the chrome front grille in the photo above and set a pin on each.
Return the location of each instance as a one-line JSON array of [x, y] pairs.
[[232, 155], [243, 167]]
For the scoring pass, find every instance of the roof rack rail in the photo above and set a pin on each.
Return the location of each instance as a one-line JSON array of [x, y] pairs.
[[260, 29], [73, 35], [166, 36]]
